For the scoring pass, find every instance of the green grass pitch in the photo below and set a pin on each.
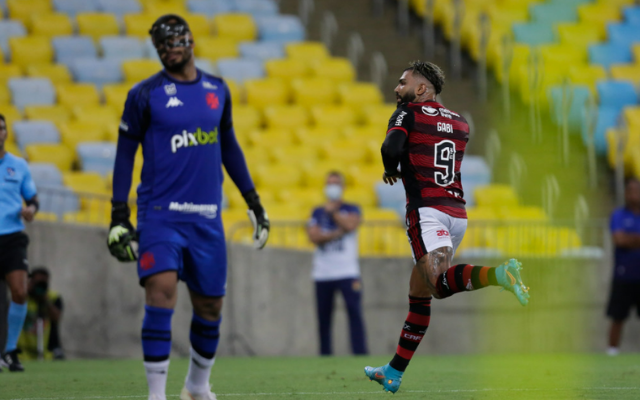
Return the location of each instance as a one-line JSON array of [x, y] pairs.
[[438, 377]]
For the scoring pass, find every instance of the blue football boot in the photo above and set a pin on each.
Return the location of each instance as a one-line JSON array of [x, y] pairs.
[[389, 377], [508, 276]]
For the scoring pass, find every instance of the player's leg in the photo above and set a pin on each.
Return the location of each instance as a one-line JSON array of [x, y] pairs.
[[205, 273], [15, 269], [324, 309], [621, 301], [352, 293]]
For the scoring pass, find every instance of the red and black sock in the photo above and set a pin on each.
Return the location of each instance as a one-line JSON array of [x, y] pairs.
[[414, 329], [464, 278]]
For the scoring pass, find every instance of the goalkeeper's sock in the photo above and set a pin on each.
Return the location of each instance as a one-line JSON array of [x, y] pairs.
[[464, 278], [204, 337], [156, 347], [15, 321], [413, 331]]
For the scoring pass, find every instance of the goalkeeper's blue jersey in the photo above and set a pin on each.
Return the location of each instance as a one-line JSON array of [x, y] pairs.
[[186, 133]]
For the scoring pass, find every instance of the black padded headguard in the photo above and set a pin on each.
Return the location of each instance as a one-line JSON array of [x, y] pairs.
[[168, 27]]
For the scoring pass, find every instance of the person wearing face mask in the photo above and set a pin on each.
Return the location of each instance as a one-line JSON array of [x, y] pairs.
[[40, 335], [333, 229]]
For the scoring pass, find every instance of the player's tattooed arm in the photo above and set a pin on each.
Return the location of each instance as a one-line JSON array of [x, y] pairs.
[[433, 264]]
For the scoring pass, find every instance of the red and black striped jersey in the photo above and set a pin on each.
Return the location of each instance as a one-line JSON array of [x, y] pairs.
[[430, 163]]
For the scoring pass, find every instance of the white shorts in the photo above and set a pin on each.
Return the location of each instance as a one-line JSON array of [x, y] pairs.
[[429, 229]]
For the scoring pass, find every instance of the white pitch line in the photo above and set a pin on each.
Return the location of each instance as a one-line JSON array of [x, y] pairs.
[[344, 393]]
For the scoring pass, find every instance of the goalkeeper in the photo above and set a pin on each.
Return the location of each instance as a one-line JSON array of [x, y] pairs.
[[182, 118]]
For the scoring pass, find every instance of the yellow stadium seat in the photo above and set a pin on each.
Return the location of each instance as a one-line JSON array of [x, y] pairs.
[[235, 26], [5, 96], [198, 24], [371, 214], [365, 133], [103, 114], [265, 92], [77, 93], [337, 69], [364, 175], [313, 91], [304, 198], [626, 72], [55, 24], [378, 115], [236, 91], [337, 117], [630, 140], [496, 196], [97, 25], [30, 50], [85, 182], [316, 136], [161, 7], [57, 154], [115, 95], [636, 162], [277, 176], [214, 48], [563, 56], [288, 117], [8, 71], [293, 155], [258, 158], [345, 151], [632, 118], [636, 53], [550, 75], [11, 114], [359, 93], [309, 52], [139, 70], [578, 35], [23, 9], [587, 75], [57, 114], [57, 73], [246, 119], [12, 148], [363, 196], [519, 56], [267, 138], [598, 15], [286, 68], [76, 132], [482, 214], [138, 24], [524, 213]]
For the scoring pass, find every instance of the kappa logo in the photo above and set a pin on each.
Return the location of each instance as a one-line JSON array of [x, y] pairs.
[[174, 102], [209, 85], [171, 89], [430, 111], [442, 233]]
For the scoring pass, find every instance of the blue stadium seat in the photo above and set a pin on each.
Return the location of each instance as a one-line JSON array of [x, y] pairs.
[[257, 8], [151, 50], [31, 132], [239, 70], [32, 91], [623, 34], [97, 71], [10, 28], [616, 94], [122, 47], [57, 199], [553, 12], [68, 48], [120, 7], [534, 34], [578, 95], [392, 197], [206, 66], [606, 118], [632, 15], [283, 28], [72, 7], [262, 50], [46, 174], [474, 172], [97, 156], [609, 53], [209, 7]]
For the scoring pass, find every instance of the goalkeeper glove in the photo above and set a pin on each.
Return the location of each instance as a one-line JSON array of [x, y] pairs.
[[122, 240], [259, 219]]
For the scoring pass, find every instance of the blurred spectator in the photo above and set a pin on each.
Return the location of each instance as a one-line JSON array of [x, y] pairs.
[[625, 289], [332, 228], [41, 336]]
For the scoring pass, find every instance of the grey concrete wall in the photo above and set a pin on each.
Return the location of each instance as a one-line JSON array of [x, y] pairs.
[[269, 309]]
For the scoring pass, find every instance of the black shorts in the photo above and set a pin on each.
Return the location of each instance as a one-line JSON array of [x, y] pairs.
[[624, 295], [13, 253]]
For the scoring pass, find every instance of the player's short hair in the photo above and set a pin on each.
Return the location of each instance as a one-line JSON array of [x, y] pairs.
[[336, 173], [39, 270], [429, 71], [164, 20], [2, 118], [631, 179]]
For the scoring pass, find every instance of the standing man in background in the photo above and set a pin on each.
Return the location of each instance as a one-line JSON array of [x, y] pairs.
[[625, 288], [16, 185], [182, 118], [332, 229]]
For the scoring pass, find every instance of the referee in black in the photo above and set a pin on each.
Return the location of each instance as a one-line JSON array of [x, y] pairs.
[[16, 186]]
